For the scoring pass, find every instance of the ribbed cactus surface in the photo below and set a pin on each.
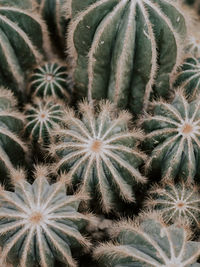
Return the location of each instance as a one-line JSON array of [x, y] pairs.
[[39, 222], [151, 244], [123, 49], [100, 153]]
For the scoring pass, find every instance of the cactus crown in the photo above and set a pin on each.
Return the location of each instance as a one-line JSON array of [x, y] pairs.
[[99, 150], [39, 222]]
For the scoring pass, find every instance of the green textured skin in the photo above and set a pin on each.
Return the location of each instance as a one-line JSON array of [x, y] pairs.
[[21, 45], [100, 155], [188, 76], [152, 244], [124, 71], [42, 117], [173, 152], [176, 202], [51, 238], [50, 80]]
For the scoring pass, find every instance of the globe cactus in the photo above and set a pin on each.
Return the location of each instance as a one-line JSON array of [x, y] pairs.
[[50, 80], [104, 42], [12, 148], [173, 138], [22, 38], [100, 153], [42, 117], [151, 244], [39, 222], [175, 202]]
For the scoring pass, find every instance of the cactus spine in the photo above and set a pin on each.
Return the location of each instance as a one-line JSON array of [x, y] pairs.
[[105, 39], [100, 153]]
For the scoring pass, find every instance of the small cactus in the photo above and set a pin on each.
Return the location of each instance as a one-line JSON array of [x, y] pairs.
[[150, 243], [173, 137], [50, 80], [100, 153], [188, 77], [42, 117], [176, 202], [39, 222], [122, 49], [12, 148]]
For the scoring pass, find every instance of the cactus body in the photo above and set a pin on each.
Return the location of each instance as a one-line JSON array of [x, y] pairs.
[[22, 36], [50, 80], [99, 152], [176, 202], [12, 148], [173, 138], [189, 76], [121, 49], [151, 244], [39, 223], [42, 117]]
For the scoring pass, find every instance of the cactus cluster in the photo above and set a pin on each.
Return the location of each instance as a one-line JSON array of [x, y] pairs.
[[99, 133]]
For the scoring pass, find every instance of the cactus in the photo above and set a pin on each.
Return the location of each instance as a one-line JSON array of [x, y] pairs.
[[189, 76], [22, 38], [39, 222], [176, 202], [151, 244], [173, 138], [50, 80], [122, 49], [42, 117], [12, 148], [100, 153]]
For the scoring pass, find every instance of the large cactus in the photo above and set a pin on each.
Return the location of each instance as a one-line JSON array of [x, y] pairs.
[[150, 244], [100, 153], [12, 148], [22, 38], [39, 222], [173, 138], [122, 49]]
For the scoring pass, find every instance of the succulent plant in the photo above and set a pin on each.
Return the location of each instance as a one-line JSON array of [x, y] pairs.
[[12, 148], [50, 80], [100, 153], [42, 117], [176, 202], [39, 222], [150, 243], [173, 138], [122, 49], [22, 40], [189, 76]]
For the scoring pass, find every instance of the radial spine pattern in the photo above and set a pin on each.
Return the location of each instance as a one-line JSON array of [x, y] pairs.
[[173, 137], [50, 80], [149, 243], [116, 46], [176, 202], [39, 223], [100, 152], [42, 117]]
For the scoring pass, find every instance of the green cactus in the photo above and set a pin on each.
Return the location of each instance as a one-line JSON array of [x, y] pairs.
[[175, 202], [39, 222], [122, 49], [12, 148], [50, 80], [149, 244], [188, 76], [42, 117], [22, 38], [173, 138], [100, 153]]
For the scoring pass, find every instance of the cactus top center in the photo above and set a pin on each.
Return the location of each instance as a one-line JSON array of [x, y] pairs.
[[96, 146], [49, 77], [187, 129], [180, 204], [36, 217]]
